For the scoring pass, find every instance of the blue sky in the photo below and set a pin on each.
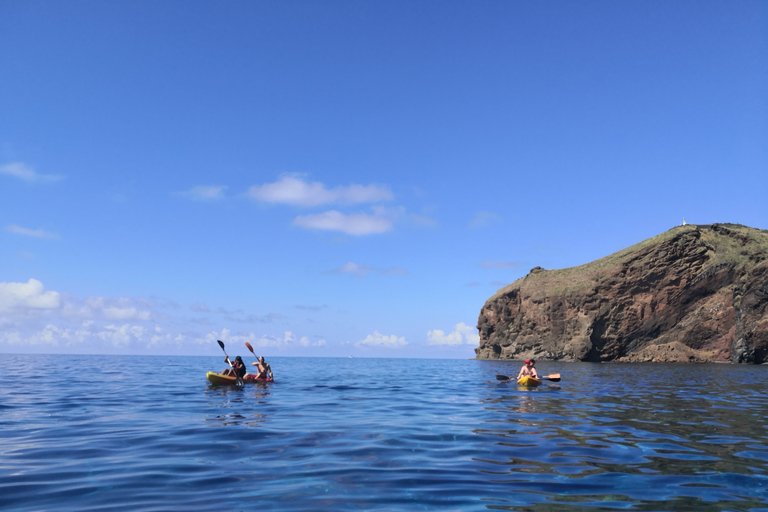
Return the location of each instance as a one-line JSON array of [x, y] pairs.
[[329, 178]]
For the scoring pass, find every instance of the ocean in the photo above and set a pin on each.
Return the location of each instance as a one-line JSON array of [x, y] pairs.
[[143, 433]]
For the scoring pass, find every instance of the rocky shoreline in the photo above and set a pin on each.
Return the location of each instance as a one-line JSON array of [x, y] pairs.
[[696, 293]]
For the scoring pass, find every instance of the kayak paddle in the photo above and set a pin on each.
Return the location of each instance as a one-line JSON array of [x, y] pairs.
[[555, 377], [238, 380]]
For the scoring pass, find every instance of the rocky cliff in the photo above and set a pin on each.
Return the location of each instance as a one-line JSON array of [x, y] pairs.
[[692, 294]]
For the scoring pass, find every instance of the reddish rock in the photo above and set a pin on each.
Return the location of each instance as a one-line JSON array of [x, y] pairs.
[[692, 294]]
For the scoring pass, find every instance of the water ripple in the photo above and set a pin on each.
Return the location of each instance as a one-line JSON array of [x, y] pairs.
[[114, 433]]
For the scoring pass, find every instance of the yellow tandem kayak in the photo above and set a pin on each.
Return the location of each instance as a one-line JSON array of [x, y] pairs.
[[218, 379]]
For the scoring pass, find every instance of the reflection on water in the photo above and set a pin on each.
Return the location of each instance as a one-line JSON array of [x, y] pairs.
[[231, 405], [645, 437]]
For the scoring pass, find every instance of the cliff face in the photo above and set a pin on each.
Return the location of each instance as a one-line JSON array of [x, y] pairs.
[[692, 294]]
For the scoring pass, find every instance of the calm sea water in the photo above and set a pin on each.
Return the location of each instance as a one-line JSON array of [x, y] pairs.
[[148, 433]]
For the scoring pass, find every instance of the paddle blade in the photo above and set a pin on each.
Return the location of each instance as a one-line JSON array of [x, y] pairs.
[[221, 344], [250, 348], [502, 377], [555, 377]]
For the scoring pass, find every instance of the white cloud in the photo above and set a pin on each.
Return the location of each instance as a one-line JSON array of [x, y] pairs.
[[295, 191], [115, 313], [380, 340], [31, 316], [353, 269], [205, 193], [352, 224], [36, 233], [26, 173], [114, 308], [31, 295], [49, 335], [358, 271], [238, 340], [115, 336], [462, 334], [304, 342], [159, 337], [123, 335]]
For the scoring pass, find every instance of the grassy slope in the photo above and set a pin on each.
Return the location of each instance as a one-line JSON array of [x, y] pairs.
[[566, 280]]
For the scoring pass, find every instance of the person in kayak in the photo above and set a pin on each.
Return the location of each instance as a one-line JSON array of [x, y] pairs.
[[264, 370], [528, 370], [236, 369]]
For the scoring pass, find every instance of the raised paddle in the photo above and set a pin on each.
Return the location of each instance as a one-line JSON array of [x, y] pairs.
[[555, 377], [238, 380]]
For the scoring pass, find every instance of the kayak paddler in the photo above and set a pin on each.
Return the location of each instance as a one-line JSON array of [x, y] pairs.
[[528, 370], [264, 370], [237, 368]]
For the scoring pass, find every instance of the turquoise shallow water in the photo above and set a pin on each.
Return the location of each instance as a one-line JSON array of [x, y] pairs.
[[149, 433]]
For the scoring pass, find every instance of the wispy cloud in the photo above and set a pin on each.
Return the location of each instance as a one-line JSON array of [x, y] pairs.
[[483, 219], [310, 308], [356, 270], [352, 224], [295, 191], [36, 233], [251, 318], [117, 308], [463, 334], [115, 313], [204, 193], [27, 173], [381, 341], [353, 269], [501, 264]]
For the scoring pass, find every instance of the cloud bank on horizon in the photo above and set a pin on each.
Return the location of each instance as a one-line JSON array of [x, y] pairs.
[[32, 317]]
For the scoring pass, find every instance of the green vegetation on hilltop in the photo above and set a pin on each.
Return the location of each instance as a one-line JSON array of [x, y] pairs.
[[739, 245]]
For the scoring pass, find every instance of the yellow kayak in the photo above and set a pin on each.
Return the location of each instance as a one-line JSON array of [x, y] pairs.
[[528, 382], [218, 379]]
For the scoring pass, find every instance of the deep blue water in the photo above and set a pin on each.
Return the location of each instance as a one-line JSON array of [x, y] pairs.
[[148, 433]]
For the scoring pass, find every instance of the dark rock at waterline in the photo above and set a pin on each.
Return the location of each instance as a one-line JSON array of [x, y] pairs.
[[696, 293]]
